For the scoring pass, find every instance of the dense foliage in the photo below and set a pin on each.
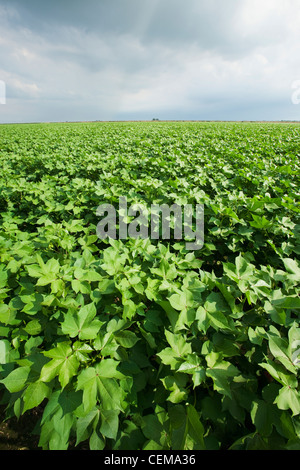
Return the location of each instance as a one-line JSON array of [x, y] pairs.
[[140, 344]]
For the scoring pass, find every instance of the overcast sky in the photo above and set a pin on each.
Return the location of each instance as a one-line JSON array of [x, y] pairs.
[[68, 60]]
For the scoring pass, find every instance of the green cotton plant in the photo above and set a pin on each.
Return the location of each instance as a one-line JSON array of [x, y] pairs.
[[140, 344]]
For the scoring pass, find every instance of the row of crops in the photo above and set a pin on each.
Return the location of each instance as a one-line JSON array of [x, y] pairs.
[[140, 344]]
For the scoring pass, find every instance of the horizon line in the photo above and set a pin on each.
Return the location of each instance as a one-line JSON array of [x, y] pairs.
[[155, 120]]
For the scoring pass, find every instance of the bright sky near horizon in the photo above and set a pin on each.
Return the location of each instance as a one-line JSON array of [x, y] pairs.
[[141, 59]]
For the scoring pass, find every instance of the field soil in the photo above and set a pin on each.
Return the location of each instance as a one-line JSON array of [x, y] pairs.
[[18, 435]]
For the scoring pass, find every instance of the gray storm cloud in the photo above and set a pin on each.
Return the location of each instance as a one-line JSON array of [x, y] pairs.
[[116, 59]]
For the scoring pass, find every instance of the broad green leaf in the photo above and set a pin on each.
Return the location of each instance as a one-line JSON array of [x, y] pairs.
[[166, 270], [96, 441], [108, 369], [114, 261], [289, 398], [291, 303], [176, 386], [279, 347], [34, 270], [292, 267], [218, 320], [83, 423], [179, 344], [46, 279], [109, 423], [156, 432], [279, 373], [167, 357], [221, 375], [179, 427], [35, 394], [82, 323], [262, 415], [172, 314], [7, 314], [152, 445], [191, 364], [202, 319], [33, 328], [16, 380], [129, 309], [195, 427], [64, 364], [182, 301], [241, 272], [294, 345], [99, 383], [4, 351], [33, 303]]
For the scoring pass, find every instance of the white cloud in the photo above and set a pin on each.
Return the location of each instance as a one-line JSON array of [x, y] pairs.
[[72, 72]]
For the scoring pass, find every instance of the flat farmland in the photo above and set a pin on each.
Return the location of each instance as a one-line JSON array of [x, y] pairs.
[[141, 344]]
